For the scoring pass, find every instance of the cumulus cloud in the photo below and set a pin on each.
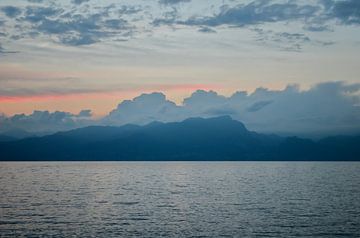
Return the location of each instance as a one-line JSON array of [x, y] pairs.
[[45, 121], [144, 109], [326, 108], [85, 113]]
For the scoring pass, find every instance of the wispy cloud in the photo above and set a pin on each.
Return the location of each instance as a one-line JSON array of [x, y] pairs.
[[4, 51]]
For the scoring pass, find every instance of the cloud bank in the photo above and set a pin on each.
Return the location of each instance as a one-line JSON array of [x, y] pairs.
[[325, 109], [332, 107], [45, 121]]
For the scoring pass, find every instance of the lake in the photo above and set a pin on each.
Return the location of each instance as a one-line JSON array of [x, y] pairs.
[[180, 199]]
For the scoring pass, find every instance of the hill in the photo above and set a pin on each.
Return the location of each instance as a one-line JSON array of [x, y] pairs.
[[219, 138]]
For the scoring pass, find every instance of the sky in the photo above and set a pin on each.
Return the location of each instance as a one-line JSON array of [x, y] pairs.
[[71, 56]]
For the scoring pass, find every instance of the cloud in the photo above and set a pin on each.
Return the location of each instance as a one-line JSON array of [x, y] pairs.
[[35, 1], [78, 24], [197, 100], [4, 51], [35, 14], [45, 121], [172, 2], [76, 29], [11, 11], [85, 113], [143, 109], [347, 11], [78, 2], [314, 17], [71, 26], [206, 30], [57, 88], [129, 10], [326, 108], [282, 40], [256, 12], [311, 16], [258, 106]]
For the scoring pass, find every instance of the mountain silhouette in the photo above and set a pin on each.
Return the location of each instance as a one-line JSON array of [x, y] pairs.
[[220, 138], [6, 138]]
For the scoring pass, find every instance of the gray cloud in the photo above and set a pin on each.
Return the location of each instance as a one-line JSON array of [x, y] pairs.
[[143, 109], [45, 121], [76, 25], [256, 12], [11, 11], [76, 29], [71, 27], [314, 18], [78, 2], [85, 113], [347, 11], [205, 29], [4, 51], [37, 14], [326, 108], [35, 1], [172, 2], [282, 40], [258, 106], [129, 10]]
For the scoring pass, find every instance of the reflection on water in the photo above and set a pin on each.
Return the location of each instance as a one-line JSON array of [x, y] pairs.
[[200, 199]]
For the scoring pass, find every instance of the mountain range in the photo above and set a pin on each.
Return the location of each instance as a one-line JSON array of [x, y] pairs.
[[212, 139]]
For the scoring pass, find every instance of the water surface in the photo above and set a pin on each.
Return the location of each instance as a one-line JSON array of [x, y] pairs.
[[180, 199]]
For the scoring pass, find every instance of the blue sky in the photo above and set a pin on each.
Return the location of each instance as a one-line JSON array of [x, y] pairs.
[[76, 54]]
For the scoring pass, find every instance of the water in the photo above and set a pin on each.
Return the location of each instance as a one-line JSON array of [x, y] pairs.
[[180, 199]]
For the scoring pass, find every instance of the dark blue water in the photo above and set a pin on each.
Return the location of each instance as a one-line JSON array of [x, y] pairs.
[[180, 199]]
